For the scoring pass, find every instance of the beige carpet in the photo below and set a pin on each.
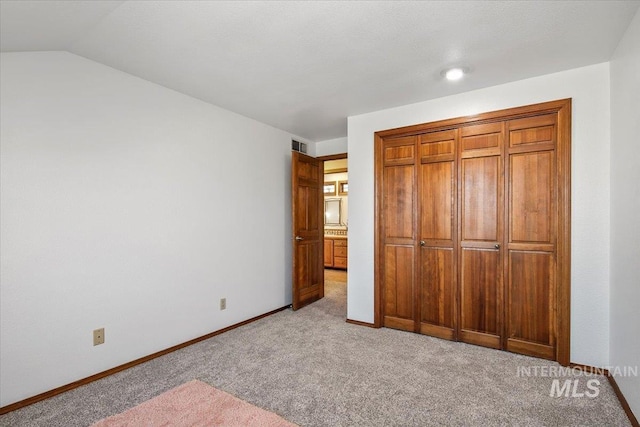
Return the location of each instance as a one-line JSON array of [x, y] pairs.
[[316, 370], [195, 404]]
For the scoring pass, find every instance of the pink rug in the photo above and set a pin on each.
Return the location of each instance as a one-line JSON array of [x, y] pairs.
[[195, 404]]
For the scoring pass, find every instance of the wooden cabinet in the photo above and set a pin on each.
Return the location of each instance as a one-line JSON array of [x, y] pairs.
[[335, 253], [340, 253], [328, 252], [472, 229]]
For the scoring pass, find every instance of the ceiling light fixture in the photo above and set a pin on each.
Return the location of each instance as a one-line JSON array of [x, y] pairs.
[[454, 74]]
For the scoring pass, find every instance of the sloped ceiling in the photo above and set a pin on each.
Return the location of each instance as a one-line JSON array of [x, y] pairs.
[[304, 66]]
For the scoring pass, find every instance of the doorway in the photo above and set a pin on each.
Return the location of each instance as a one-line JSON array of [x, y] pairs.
[[336, 213], [311, 211], [336, 222]]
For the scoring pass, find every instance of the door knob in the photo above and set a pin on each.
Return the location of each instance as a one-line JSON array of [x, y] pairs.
[[298, 238], [423, 243], [497, 246]]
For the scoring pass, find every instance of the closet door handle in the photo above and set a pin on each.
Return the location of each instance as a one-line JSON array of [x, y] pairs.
[[298, 238], [497, 246]]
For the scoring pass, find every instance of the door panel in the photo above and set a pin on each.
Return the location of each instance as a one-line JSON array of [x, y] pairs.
[[475, 142], [306, 187], [437, 292], [399, 206], [437, 201], [531, 292], [539, 130], [531, 297], [531, 303], [480, 198], [307, 204], [399, 287], [481, 296], [399, 233], [307, 272], [481, 235], [399, 154], [531, 197], [481, 140], [438, 146], [437, 206]]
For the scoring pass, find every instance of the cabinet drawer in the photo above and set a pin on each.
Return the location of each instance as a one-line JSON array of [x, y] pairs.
[[339, 262], [340, 251], [340, 242]]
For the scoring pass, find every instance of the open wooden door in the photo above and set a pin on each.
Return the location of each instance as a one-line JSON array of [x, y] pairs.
[[307, 177]]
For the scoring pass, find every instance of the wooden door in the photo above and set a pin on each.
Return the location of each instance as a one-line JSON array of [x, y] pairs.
[[307, 177], [398, 217], [437, 189], [473, 229], [532, 230], [481, 236]]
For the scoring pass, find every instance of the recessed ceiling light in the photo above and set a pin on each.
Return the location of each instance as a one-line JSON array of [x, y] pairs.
[[454, 74]]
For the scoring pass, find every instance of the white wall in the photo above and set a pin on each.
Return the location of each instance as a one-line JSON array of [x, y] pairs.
[[589, 88], [128, 206], [331, 146], [625, 206]]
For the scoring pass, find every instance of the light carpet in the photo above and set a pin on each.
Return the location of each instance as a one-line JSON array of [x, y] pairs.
[[316, 370], [195, 404]]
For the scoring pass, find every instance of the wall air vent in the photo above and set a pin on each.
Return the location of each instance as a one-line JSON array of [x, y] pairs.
[[299, 146]]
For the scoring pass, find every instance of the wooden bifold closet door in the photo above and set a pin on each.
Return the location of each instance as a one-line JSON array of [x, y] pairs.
[[472, 229]]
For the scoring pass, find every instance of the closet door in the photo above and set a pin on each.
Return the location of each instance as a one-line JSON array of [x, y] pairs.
[[532, 235], [481, 234], [399, 225], [437, 200], [473, 229]]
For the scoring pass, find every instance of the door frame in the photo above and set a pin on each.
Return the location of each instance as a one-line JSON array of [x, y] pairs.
[[334, 157], [338, 156], [563, 275], [320, 213]]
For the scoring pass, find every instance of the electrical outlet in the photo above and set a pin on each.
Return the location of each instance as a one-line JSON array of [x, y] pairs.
[[223, 303], [98, 336]]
